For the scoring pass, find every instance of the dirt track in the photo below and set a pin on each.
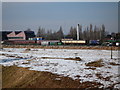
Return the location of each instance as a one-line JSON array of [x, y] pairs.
[[62, 47]]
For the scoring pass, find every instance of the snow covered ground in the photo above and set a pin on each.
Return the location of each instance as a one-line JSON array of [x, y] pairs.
[[54, 61]]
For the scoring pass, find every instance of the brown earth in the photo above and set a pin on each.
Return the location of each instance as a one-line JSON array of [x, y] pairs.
[[62, 47], [18, 77], [97, 63], [76, 58]]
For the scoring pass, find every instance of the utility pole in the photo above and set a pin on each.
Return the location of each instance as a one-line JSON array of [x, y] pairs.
[[111, 51], [111, 47], [78, 32]]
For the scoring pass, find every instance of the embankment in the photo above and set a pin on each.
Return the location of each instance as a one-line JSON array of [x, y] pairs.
[[62, 47], [18, 77]]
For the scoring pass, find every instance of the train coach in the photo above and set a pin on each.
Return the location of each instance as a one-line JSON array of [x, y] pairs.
[[74, 42]]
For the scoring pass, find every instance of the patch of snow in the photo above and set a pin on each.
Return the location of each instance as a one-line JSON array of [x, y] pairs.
[[70, 68]]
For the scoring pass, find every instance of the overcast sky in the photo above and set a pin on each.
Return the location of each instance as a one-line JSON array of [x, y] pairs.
[[51, 15], [60, 0]]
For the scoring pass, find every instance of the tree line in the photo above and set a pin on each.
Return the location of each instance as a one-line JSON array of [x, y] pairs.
[[89, 33], [49, 34]]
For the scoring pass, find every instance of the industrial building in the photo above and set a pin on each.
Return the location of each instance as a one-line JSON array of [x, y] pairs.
[[17, 35]]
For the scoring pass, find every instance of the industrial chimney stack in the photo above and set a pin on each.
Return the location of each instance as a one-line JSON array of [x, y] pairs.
[[78, 32]]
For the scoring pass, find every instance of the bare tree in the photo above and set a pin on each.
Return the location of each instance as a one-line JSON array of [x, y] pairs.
[[60, 34], [95, 33], [103, 32], [41, 32], [72, 33], [49, 35]]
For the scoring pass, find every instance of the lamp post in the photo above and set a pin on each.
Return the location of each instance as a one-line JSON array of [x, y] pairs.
[[111, 51], [111, 47]]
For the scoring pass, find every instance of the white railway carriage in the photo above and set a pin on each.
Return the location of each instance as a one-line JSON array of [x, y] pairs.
[[73, 41]]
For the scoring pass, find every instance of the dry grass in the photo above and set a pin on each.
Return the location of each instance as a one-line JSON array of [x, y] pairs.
[[62, 47], [76, 58], [91, 68], [95, 63], [113, 63]]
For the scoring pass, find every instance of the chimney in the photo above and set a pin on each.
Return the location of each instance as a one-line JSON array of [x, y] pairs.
[[78, 32]]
